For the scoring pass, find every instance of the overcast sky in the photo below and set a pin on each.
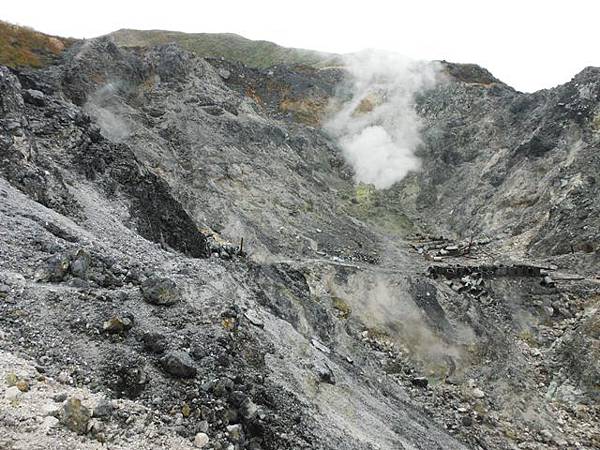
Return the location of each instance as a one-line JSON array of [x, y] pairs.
[[528, 44]]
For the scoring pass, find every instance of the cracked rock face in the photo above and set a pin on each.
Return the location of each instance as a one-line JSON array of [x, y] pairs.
[[343, 320]]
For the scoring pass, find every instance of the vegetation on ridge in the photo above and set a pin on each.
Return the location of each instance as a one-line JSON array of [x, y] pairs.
[[260, 54], [23, 46]]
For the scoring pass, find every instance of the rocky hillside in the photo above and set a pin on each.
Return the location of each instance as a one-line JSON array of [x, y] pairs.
[[186, 261]]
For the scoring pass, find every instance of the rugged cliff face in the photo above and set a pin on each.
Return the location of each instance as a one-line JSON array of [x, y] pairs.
[[129, 178]]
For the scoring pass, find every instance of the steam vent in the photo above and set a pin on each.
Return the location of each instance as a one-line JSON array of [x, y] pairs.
[[211, 242]]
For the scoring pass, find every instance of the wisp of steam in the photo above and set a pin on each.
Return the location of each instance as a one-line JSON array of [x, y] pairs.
[[377, 127], [103, 105]]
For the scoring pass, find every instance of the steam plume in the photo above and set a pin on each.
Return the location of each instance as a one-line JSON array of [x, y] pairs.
[[103, 105], [377, 126]]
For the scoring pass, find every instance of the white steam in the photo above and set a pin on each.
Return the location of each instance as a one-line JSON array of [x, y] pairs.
[[104, 106], [378, 127]]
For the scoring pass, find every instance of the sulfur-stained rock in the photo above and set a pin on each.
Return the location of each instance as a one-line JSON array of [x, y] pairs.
[[117, 325]]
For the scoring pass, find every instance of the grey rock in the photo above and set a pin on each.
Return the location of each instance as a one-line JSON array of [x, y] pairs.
[[201, 440], [117, 325], [254, 319], [235, 433], [225, 74], [548, 282], [80, 264], [203, 426], [319, 346], [50, 422], [324, 373], [421, 382], [13, 394], [175, 157], [179, 364], [477, 393], [34, 97], [75, 416], [56, 268], [104, 408], [61, 397], [160, 291], [154, 342]]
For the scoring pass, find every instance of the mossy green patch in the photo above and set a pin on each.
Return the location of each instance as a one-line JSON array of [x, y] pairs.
[[260, 54], [343, 308], [528, 337], [379, 208]]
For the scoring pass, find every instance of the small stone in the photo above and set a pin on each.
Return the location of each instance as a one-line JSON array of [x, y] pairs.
[[546, 435], [186, 410], [421, 382], [59, 398], [96, 426], [104, 408], [224, 73], [13, 394], [22, 385], [81, 264], [324, 373], [49, 422], [56, 269], [319, 346], [160, 291], [4, 291], [560, 443], [64, 378], [467, 421], [249, 409], [75, 416], [234, 432], [203, 426], [154, 342], [179, 364], [117, 325], [201, 440], [11, 379], [50, 409], [548, 282], [477, 393], [254, 319], [34, 97]]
